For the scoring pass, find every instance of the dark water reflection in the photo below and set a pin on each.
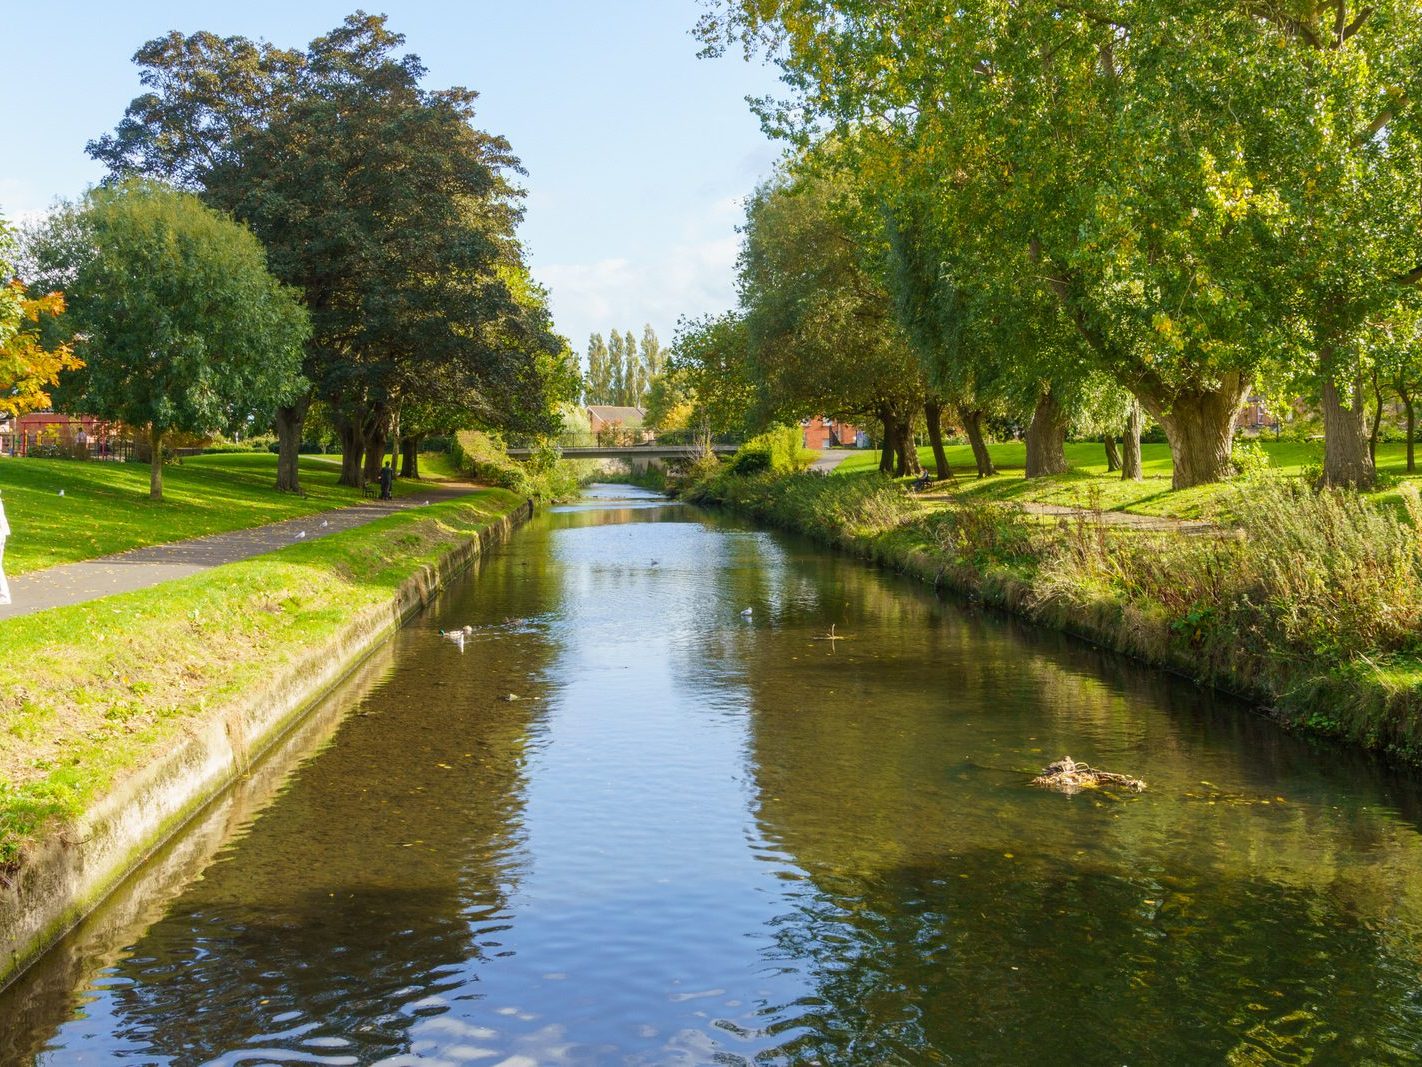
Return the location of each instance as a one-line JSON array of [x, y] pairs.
[[700, 838]]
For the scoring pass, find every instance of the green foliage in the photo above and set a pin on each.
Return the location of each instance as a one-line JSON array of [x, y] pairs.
[[544, 477], [777, 451], [836, 510], [181, 326]]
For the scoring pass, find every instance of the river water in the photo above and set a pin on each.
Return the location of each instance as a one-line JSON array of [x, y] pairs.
[[701, 837]]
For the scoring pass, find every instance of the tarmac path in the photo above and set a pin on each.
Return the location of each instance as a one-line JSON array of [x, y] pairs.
[[140, 568]]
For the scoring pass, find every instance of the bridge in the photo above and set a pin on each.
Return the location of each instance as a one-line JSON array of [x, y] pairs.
[[577, 447]]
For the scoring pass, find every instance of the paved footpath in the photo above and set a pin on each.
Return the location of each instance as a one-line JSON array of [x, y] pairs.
[[139, 568]]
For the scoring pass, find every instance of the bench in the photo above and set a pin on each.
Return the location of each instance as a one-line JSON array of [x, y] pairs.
[[368, 490]]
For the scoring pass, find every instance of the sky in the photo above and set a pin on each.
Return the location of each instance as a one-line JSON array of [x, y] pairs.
[[639, 155]]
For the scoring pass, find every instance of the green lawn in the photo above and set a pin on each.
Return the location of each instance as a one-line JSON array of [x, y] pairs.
[[105, 506], [91, 691], [1088, 485]]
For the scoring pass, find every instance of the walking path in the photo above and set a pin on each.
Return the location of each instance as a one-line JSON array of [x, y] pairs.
[[829, 459], [140, 568]]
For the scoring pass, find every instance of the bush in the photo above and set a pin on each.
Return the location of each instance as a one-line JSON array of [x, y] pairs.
[[780, 450], [544, 476]]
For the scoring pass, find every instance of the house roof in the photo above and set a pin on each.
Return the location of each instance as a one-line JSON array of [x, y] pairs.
[[615, 413]]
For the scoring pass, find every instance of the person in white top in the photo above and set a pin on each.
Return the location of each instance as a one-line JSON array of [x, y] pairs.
[[4, 533]]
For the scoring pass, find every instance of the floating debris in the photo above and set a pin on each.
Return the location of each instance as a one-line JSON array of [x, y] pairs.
[[1068, 776], [831, 636], [509, 698]]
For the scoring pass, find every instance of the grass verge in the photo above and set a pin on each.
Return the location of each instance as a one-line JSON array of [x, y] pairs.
[[1314, 610], [1089, 485], [92, 692], [105, 506]]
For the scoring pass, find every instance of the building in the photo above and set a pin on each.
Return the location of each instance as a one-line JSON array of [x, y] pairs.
[[820, 432]]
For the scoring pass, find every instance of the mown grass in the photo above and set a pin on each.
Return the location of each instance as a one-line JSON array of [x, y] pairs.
[[1089, 485], [1312, 607], [91, 692], [105, 507]]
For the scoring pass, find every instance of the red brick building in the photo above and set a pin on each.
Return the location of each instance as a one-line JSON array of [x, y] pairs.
[[43, 429], [821, 432]]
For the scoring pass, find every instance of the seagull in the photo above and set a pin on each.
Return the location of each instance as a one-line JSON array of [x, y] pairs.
[[324, 524], [300, 535], [61, 492], [746, 614]]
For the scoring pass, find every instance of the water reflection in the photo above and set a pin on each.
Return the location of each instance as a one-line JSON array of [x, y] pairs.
[[626, 824]]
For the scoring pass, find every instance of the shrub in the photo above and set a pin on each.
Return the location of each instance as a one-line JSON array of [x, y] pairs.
[[544, 476]]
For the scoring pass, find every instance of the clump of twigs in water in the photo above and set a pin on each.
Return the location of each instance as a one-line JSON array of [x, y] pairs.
[[1068, 776], [831, 636]]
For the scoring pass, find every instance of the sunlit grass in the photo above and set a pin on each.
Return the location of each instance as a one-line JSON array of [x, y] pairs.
[[105, 507], [92, 691]]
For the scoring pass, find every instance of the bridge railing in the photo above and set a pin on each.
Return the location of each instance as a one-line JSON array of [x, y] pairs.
[[625, 438]]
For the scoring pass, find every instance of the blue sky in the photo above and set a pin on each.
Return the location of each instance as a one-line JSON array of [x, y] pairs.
[[638, 153]]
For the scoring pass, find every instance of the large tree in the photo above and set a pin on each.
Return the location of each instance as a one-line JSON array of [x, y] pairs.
[[378, 199], [177, 318], [1059, 136], [822, 337]]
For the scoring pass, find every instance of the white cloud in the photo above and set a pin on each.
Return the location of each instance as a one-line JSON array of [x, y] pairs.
[[691, 276]]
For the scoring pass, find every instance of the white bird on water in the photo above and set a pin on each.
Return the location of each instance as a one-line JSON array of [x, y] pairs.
[[746, 614]]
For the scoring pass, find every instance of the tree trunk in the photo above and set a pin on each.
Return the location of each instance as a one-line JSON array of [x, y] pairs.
[[933, 419], [1345, 441], [1199, 424], [155, 473], [410, 457], [906, 452], [1113, 454], [352, 449], [1046, 438], [395, 441], [1131, 444], [288, 424], [1407, 407], [886, 445], [1377, 420], [374, 453], [972, 420]]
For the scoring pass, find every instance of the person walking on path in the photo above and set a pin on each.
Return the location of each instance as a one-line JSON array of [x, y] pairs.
[[4, 533], [387, 481]]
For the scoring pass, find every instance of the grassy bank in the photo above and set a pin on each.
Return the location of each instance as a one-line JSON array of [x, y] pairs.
[[105, 506], [1088, 483], [1313, 608], [90, 693]]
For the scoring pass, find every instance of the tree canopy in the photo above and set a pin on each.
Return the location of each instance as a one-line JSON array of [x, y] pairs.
[[179, 323]]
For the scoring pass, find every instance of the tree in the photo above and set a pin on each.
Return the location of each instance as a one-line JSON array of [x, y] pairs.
[[822, 338], [29, 368], [180, 321], [710, 357], [379, 200], [599, 380], [617, 369], [1065, 139], [652, 355]]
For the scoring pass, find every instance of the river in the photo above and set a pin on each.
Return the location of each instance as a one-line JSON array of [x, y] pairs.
[[624, 823]]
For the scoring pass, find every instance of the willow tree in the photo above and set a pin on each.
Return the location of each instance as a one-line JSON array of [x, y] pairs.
[[1112, 200], [177, 319], [821, 331]]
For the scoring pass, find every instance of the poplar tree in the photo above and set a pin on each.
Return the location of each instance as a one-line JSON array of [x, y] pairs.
[[599, 379], [617, 366]]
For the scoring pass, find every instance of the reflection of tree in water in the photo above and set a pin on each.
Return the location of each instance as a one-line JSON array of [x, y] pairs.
[[988, 960], [949, 908], [379, 881]]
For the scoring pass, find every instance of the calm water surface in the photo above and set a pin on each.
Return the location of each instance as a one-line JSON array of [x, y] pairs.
[[696, 837]]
